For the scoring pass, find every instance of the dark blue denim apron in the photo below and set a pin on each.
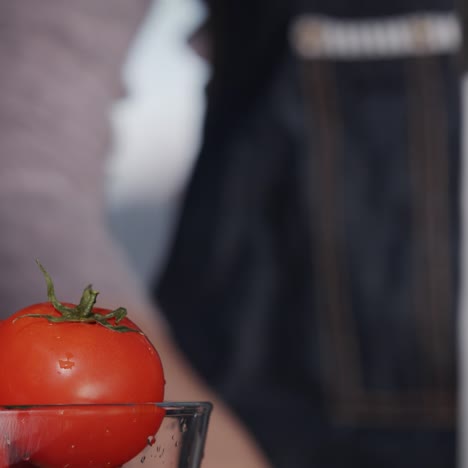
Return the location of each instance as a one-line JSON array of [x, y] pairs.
[[313, 277]]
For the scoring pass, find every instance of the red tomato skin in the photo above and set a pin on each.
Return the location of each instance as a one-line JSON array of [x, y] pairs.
[[44, 363], [75, 363], [75, 437]]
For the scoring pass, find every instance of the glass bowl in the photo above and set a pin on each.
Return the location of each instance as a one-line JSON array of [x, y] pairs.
[[169, 435]]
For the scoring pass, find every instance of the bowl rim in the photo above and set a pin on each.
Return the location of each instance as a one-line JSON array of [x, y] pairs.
[[205, 406]]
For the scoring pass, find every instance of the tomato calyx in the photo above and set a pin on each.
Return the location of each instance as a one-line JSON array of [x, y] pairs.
[[83, 312]]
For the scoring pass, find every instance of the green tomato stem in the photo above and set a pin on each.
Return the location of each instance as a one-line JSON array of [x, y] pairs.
[[83, 312]]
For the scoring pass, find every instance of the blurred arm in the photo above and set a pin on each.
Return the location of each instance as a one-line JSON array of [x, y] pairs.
[[59, 75]]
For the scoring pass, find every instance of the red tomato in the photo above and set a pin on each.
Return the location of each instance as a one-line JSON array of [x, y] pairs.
[[45, 363], [77, 437], [91, 356]]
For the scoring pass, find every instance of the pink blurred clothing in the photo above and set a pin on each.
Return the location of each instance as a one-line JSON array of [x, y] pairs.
[[60, 65]]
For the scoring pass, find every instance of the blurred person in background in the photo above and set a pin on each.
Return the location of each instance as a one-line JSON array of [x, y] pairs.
[[317, 249], [318, 245], [60, 66]]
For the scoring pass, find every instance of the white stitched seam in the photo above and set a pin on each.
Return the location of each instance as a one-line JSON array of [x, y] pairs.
[[314, 36]]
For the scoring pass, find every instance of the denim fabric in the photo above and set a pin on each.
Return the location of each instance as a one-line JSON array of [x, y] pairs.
[[317, 255]]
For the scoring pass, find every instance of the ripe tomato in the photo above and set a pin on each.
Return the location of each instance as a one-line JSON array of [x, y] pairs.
[[78, 436], [61, 354], [43, 363]]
